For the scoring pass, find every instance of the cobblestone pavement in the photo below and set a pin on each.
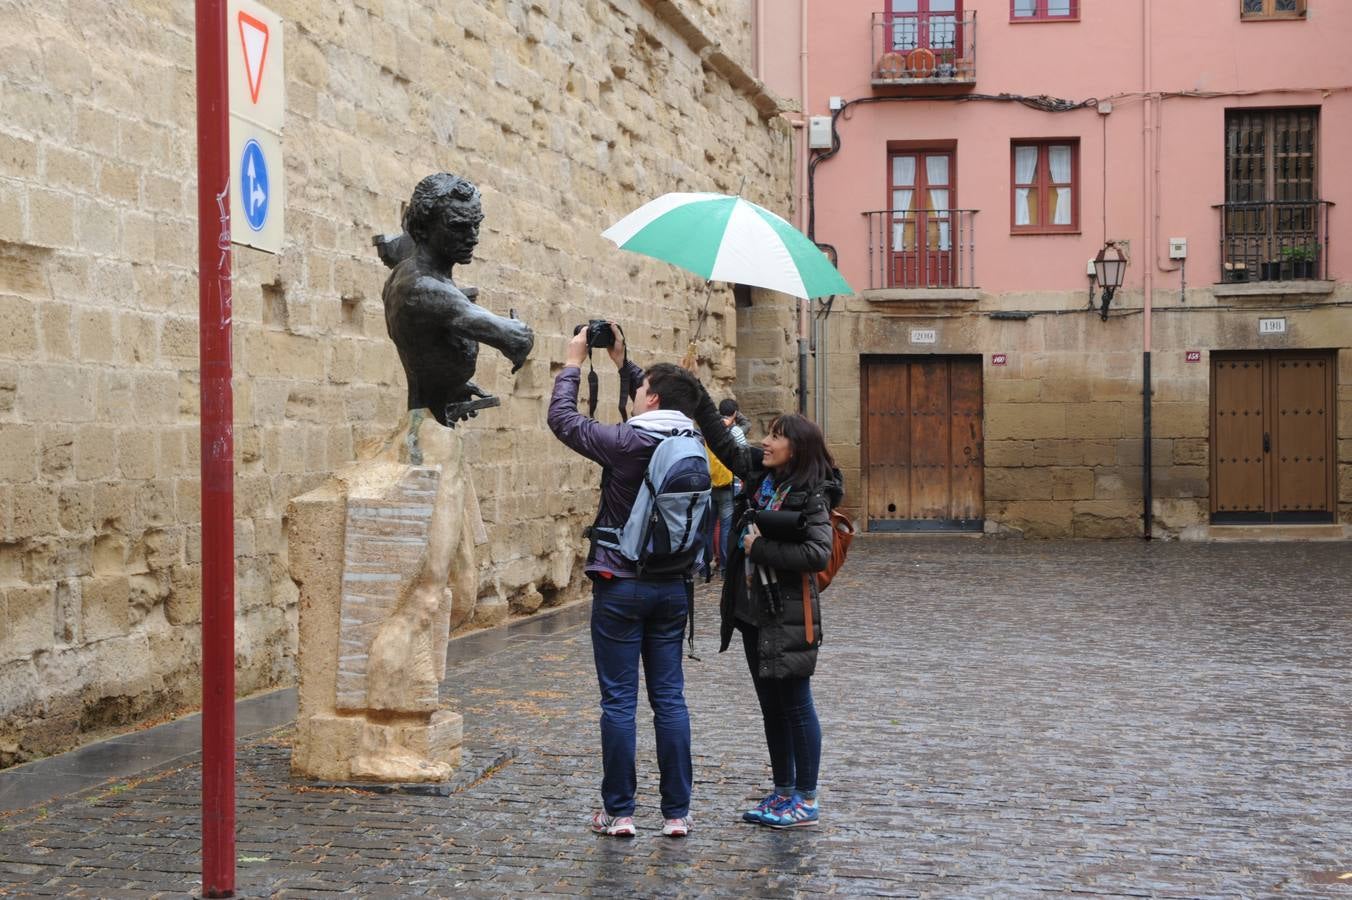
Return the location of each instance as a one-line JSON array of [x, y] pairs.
[[1001, 719]]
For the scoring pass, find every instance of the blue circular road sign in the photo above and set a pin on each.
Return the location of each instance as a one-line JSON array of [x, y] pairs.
[[253, 182]]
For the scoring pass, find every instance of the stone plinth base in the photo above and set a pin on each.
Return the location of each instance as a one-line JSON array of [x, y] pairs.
[[383, 555], [335, 747]]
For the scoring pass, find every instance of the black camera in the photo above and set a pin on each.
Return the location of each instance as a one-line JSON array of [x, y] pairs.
[[599, 335]]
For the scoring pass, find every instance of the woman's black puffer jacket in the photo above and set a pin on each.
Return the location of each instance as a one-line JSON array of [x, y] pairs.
[[785, 651]]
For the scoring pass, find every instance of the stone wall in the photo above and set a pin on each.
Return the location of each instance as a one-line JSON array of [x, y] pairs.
[[1063, 418], [767, 359], [568, 113]]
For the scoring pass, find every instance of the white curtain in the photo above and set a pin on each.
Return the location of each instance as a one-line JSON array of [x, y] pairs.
[[1025, 170], [1058, 159], [936, 172], [901, 217], [903, 174], [1025, 8]]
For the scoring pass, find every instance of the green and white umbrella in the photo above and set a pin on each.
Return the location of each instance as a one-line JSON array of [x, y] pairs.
[[723, 238]]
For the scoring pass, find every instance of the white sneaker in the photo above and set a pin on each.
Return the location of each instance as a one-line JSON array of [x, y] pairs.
[[614, 826], [678, 827]]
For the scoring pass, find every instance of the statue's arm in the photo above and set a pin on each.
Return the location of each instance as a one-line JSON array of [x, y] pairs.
[[512, 337]]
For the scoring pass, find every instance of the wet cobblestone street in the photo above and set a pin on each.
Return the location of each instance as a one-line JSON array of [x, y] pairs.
[[1000, 719]]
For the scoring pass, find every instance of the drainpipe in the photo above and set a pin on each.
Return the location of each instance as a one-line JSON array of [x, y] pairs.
[[804, 306], [1148, 138], [760, 40]]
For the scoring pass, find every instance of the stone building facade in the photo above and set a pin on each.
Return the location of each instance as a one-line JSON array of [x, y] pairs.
[[975, 380], [567, 113]]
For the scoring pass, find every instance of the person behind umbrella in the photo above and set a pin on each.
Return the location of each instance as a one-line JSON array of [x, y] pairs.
[[771, 599], [721, 482], [737, 423], [724, 492]]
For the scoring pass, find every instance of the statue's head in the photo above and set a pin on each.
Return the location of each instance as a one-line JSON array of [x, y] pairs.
[[444, 215]]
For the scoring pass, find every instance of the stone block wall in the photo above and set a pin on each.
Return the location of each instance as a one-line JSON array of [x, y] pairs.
[[767, 359], [1063, 417], [568, 114]]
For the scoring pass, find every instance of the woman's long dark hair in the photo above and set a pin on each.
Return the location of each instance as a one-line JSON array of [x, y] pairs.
[[811, 463]]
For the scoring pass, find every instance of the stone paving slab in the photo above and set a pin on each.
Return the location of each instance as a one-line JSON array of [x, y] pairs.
[[1001, 719]]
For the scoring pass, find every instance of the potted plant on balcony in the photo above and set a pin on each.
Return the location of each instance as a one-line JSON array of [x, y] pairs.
[[1298, 261]]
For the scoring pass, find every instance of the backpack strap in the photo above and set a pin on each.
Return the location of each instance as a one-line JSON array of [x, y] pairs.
[[609, 536], [690, 616]]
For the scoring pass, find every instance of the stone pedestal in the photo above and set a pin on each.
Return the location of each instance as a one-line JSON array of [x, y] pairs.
[[384, 557]]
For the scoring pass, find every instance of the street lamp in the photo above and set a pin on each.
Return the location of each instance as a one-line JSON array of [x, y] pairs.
[[1110, 266]]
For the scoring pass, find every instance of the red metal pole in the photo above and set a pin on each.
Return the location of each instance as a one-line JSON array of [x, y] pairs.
[[218, 500]]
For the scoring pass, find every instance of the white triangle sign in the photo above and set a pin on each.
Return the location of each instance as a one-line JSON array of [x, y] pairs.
[[253, 37]]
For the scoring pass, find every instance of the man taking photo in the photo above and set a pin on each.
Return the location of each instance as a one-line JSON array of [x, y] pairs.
[[632, 618]]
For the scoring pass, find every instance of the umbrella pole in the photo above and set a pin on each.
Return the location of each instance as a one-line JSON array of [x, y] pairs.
[[802, 356], [691, 355]]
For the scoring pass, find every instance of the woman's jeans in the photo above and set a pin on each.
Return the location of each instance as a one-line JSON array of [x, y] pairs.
[[722, 502], [792, 731], [632, 620]]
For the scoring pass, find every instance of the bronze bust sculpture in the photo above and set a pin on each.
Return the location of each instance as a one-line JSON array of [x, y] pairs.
[[437, 327]]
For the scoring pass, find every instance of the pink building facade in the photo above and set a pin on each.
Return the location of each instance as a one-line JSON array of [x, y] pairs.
[[966, 160]]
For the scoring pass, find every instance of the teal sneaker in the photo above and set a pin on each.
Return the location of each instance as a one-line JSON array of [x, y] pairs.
[[797, 814], [756, 815]]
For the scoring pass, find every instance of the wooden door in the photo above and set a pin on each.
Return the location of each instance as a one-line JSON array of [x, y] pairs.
[[922, 444], [923, 195], [1272, 437]]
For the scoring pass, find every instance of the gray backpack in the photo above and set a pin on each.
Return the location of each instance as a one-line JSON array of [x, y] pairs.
[[664, 535]]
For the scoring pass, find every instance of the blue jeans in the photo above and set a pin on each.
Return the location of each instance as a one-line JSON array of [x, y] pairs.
[[633, 620], [722, 499], [792, 732]]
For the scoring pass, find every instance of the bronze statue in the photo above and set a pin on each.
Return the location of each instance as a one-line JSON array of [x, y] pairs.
[[436, 326]]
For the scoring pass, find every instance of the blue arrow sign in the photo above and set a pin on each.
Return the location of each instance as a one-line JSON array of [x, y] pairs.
[[253, 179]]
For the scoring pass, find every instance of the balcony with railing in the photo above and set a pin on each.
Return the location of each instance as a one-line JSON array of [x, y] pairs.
[[922, 254], [923, 49], [1274, 241]]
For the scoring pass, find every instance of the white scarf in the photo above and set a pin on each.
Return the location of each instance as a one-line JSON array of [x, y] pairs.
[[663, 421]]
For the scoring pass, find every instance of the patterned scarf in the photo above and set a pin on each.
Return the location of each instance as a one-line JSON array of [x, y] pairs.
[[766, 497]]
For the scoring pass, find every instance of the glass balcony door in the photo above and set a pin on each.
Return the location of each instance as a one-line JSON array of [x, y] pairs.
[[923, 196], [933, 25]]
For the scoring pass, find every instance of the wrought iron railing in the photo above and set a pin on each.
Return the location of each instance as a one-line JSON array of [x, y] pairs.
[[933, 248], [1276, 240], [923, 48]]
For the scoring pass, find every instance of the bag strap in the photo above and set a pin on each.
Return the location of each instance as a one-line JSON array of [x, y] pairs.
[[690, 616], [807, 607]]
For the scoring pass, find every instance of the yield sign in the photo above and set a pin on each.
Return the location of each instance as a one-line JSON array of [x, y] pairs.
[[253, 37], [257, 88]]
